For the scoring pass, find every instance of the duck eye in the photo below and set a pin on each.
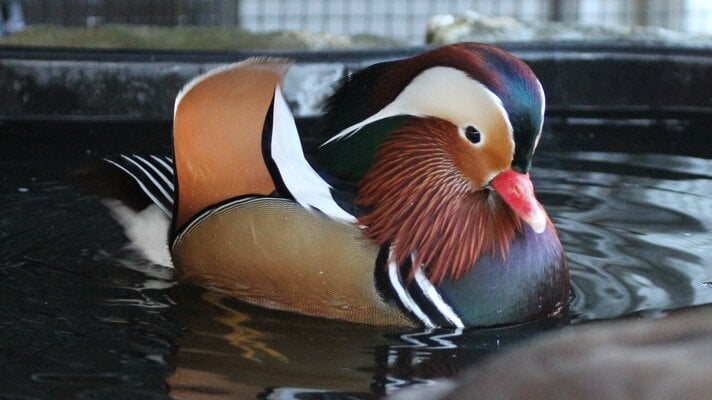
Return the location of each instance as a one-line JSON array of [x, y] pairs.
[[472, 134]]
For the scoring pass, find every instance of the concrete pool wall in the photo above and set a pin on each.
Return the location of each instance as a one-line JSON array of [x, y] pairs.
[[595, 80]]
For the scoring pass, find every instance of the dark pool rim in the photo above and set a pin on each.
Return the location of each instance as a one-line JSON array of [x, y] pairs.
[[333, 55], [588, 80]]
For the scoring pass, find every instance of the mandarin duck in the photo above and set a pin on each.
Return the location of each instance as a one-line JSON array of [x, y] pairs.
[[417, 210]]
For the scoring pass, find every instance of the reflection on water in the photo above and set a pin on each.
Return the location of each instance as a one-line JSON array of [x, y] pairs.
[[249, 353], [98, 322], [636, 229], [73, 323]]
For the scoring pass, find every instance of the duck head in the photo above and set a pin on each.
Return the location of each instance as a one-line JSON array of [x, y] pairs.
[[440, 146]]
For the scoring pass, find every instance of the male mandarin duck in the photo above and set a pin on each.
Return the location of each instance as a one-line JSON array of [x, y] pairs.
[[418, 210]]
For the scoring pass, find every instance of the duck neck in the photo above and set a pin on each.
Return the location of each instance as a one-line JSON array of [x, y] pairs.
[[418, 202]]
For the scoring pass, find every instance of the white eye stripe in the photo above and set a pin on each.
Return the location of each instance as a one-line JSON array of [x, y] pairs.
[[447, 93]]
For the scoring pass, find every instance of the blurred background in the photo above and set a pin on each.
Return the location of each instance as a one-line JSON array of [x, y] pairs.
[[405, 21]]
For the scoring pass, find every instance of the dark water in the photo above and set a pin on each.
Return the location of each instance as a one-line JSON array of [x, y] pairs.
[[84, 317]]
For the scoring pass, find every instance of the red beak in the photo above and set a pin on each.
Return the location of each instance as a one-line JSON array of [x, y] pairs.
[[517, 191]]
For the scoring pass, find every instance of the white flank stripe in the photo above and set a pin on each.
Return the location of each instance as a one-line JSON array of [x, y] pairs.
[[142, 186], [432, 294], [150, 177], [305, 184], [167, 164], [404, 296], [225, 207], [149, 164]]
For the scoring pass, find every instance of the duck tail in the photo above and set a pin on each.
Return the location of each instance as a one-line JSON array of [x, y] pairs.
[[154, 176]]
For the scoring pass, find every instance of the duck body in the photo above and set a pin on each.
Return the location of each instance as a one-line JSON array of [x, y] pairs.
[[417, 211], [500, 292], [288, 258]]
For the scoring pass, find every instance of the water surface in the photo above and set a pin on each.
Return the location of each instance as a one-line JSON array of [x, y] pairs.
[[83, 316]]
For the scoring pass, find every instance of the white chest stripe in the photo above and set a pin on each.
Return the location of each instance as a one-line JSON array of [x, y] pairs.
[[305, 184], [429, 293], [404, 296], [432, 294]]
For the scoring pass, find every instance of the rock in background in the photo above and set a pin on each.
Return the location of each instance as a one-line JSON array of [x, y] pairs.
[[667, 358], [472, 26]]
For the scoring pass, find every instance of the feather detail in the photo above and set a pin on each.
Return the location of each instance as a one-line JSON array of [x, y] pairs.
[[279, 65], [417, 200], [218, 128]]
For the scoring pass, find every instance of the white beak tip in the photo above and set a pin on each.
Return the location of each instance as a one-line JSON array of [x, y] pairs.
[[537, 220]]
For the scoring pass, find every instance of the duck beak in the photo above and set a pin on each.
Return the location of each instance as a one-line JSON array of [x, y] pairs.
[[517, 191]]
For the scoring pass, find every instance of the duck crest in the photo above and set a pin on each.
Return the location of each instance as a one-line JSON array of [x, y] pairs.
[[418, 202], [366, 92]]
